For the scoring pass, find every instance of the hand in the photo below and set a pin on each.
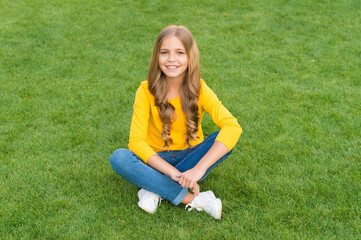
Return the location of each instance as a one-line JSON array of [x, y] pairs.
[[195, 189], [189, 179], [174, 176]]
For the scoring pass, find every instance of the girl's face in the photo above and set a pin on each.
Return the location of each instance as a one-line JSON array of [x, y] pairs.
[[173, 59]]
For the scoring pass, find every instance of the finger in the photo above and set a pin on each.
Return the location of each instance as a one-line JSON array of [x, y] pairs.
[[191, 185], [185, 184], [195, 190], [188, 184], [181, 182]]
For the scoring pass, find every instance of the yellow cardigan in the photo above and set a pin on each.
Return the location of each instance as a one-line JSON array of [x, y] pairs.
[[146, 127]]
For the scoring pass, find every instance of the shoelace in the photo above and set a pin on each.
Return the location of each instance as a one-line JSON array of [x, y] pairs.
[[192, 206], [189, 205], [199, 205]]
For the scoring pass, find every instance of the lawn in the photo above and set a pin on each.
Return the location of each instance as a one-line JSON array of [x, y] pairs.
[[289, 71]]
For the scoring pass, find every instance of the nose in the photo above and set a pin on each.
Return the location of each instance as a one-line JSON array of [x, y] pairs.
[[171, 57]]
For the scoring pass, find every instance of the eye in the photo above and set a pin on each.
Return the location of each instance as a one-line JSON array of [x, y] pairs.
[[163, 52], [180, 53]]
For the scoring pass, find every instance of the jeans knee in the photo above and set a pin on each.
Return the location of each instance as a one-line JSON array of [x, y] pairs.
[[117, 157]]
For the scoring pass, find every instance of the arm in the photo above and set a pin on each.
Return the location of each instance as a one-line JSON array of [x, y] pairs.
[[161, 165], [139, 126], [217, 151], [226, 139], [189, 178], [230, 129]]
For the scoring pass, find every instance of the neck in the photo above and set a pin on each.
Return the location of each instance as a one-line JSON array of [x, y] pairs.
[[174, 83], [174, 86]]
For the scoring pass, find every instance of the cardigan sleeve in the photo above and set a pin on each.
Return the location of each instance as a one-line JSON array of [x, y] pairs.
[[139, 126], [230, 129]]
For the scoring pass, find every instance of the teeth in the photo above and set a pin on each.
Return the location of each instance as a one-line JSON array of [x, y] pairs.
[[172, 67]]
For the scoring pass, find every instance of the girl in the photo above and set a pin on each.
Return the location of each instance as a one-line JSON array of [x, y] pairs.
[[167, 151]]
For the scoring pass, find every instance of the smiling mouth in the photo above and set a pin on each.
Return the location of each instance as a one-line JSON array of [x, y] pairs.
[[172, 67]]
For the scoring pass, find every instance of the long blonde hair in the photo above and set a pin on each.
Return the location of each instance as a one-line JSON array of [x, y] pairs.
[[190, 88]]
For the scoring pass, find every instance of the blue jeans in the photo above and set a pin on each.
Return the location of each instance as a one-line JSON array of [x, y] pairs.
[[133, 169]]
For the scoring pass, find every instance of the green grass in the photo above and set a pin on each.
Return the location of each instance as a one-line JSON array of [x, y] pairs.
[[288, 70]]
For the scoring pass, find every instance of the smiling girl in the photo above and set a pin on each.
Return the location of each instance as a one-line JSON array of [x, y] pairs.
[[168, 155]]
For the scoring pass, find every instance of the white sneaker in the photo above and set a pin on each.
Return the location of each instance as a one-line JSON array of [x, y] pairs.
[[148, 201], [208, 202]]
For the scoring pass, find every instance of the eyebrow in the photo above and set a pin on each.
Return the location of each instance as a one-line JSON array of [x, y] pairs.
[[176, 49]]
